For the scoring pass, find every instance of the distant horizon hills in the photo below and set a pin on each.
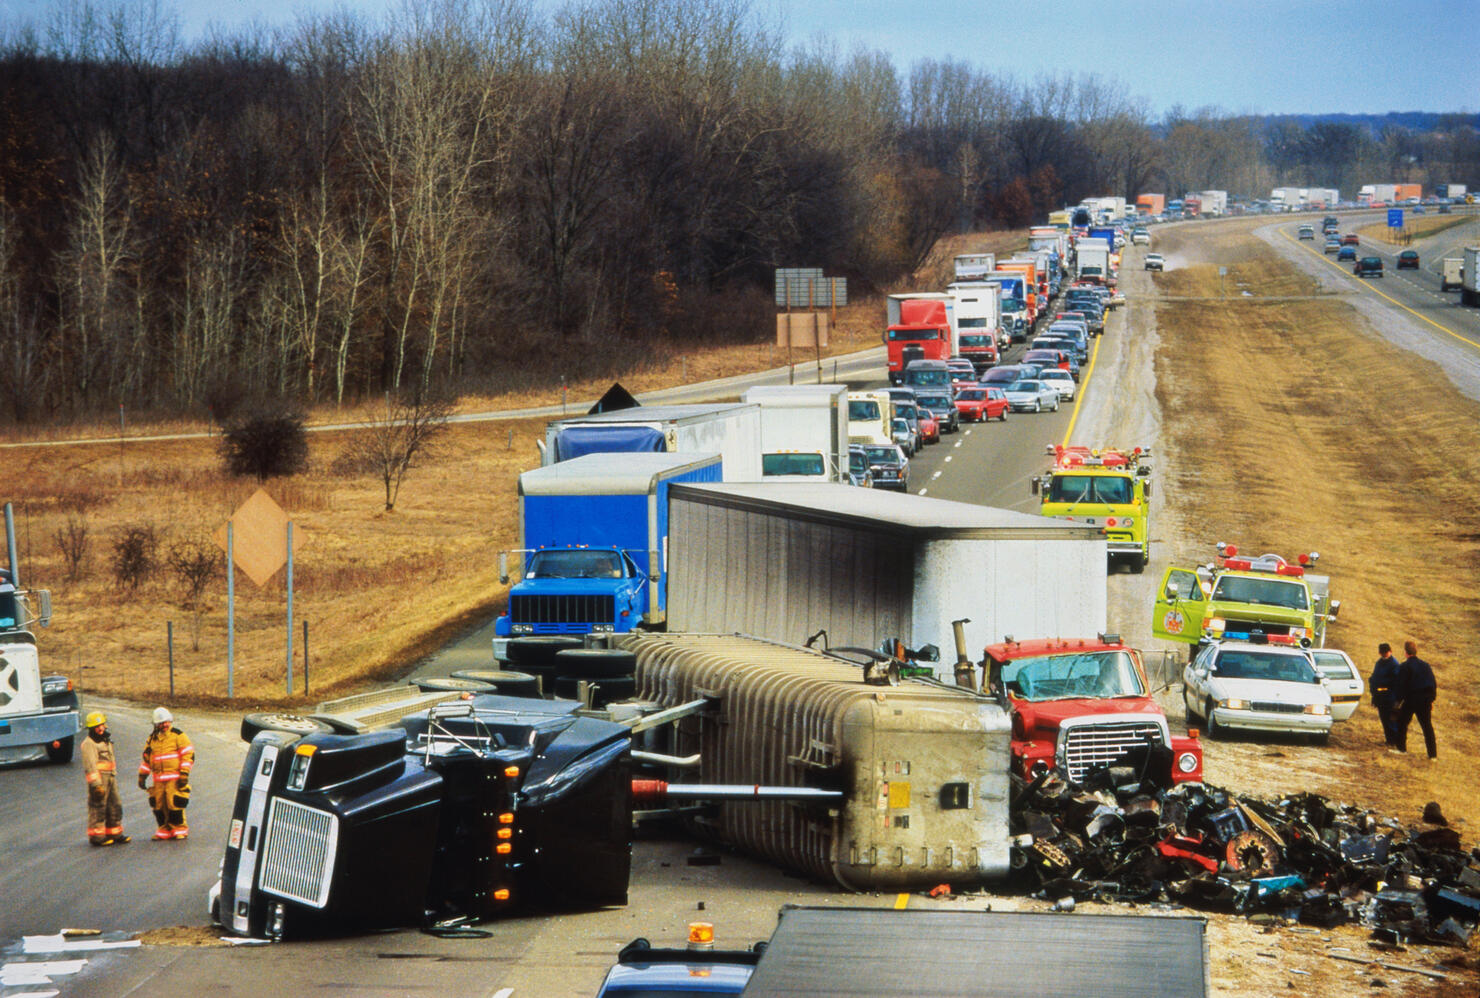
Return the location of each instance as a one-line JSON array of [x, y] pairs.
[[1416, 121]]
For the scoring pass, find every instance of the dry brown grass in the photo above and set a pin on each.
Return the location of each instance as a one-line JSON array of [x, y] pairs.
[[378, 589], [1417, 228], [1280, 439]]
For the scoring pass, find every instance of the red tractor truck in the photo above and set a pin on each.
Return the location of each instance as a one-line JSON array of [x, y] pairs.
[[922, 331], [1079, 703]]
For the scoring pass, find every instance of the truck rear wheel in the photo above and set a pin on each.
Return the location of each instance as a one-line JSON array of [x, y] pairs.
[[541, 650], [505, 681], [293, 724], [449, 684], [604, 691], [594, 663], [61, 752]]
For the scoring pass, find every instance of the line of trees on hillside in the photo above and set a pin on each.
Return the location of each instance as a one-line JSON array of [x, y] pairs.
[[451, 199]]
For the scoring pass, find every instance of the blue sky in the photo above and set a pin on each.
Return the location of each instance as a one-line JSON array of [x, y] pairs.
[[1318, 56]]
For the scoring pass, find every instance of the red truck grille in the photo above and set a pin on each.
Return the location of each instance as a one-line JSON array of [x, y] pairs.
[[551, 614], [1090, 745]]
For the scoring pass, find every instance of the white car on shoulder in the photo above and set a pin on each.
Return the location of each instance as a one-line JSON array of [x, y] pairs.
[[1343, 681], [1257, 686]]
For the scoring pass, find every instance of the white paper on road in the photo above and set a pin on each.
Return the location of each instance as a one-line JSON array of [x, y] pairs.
[[59, 944], [28, 974]]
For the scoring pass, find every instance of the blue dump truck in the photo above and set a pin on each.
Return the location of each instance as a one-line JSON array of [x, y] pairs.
[[593, 536]]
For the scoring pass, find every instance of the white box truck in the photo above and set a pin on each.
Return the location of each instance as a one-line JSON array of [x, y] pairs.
[[1092, 261], [974, 266], [1213, 203], [1452, 273], [804, 431], [731, 430], [978, 322], [1468, 292]]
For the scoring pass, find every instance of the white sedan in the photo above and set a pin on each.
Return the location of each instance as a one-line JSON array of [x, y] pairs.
[[1257, 687], [1062, 382], [1343, 681], [1030, 395]]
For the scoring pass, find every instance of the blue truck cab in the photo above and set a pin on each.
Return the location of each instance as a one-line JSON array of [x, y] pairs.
[[593, 539]]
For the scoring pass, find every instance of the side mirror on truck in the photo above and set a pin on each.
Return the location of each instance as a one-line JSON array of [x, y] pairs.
[[503, 567]]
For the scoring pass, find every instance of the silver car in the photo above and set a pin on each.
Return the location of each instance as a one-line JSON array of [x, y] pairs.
[[1031, 395], [1257, 686], [1343, 681]]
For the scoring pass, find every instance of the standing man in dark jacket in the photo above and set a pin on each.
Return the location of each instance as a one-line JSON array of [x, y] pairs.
[[1416, 692], [1384, 687]]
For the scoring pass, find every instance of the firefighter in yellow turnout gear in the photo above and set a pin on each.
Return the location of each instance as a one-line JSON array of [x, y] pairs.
[[100, 768], [168, 756]]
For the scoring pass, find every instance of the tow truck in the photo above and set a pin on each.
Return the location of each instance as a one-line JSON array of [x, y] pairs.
[[1236, 597], [1107, 488], [1081, 703]]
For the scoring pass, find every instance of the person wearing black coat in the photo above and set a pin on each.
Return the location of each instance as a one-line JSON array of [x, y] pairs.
[[1416, 692], [1384, 688]]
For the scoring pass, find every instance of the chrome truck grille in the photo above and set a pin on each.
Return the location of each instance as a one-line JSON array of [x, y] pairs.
[[1088, 745], [559, 614], [298, 861]]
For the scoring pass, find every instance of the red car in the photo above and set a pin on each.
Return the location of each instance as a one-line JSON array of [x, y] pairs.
[[929, 428], [1350, 239], [977, 403]]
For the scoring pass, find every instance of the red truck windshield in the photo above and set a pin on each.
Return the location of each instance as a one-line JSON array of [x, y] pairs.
[[1061, 677]]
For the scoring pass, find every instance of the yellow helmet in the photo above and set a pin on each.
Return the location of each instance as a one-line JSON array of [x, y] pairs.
[[94, 719]]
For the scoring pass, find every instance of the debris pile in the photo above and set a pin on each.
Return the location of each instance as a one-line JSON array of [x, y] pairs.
[[1301, 858]]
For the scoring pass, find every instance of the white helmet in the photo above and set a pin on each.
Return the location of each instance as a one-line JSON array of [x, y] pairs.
[[162, 714]]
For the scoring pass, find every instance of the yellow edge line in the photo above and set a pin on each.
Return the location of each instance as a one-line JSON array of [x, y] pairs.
[[1367, 285], [1084, 385], [900, 901]]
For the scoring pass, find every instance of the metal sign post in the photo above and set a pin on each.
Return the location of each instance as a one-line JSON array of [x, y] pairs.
[[290, 608], [230, 611]]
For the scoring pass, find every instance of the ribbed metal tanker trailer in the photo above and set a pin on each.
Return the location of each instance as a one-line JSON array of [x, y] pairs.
[[922, 765]]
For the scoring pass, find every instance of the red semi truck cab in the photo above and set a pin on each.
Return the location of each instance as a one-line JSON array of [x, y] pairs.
[[923, 332], [1078, 703]]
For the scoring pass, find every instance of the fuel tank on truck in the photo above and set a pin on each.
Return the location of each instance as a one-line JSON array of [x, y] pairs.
[[923, 766]]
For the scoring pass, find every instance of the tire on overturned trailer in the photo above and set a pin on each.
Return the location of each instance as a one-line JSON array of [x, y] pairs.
[[297, 724]]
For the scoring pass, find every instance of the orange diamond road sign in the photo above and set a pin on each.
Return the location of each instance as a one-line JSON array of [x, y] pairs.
[[259, 537]]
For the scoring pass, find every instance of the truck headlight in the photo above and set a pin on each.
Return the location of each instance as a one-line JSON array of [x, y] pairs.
[[1318, 709], [1187, 762], [603, 628], [1233, 703], [522, 629], [55, 685], [1300, 632], [1215, 624]]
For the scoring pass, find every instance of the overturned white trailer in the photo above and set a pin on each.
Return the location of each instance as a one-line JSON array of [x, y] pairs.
[[783, 561]]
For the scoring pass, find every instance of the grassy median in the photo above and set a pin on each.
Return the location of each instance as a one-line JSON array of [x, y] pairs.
[[1292, 426]]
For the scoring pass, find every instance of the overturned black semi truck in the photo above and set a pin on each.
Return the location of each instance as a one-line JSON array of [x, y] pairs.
[[460, 811], [474, 807]]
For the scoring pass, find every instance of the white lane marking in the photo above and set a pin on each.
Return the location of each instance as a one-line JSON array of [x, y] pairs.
[[958, 444], [935, 476], [920, 493], [948, 459]]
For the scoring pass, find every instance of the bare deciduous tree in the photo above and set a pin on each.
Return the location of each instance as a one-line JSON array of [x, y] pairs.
[[195, 564], [72, 543], [390, 446]]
